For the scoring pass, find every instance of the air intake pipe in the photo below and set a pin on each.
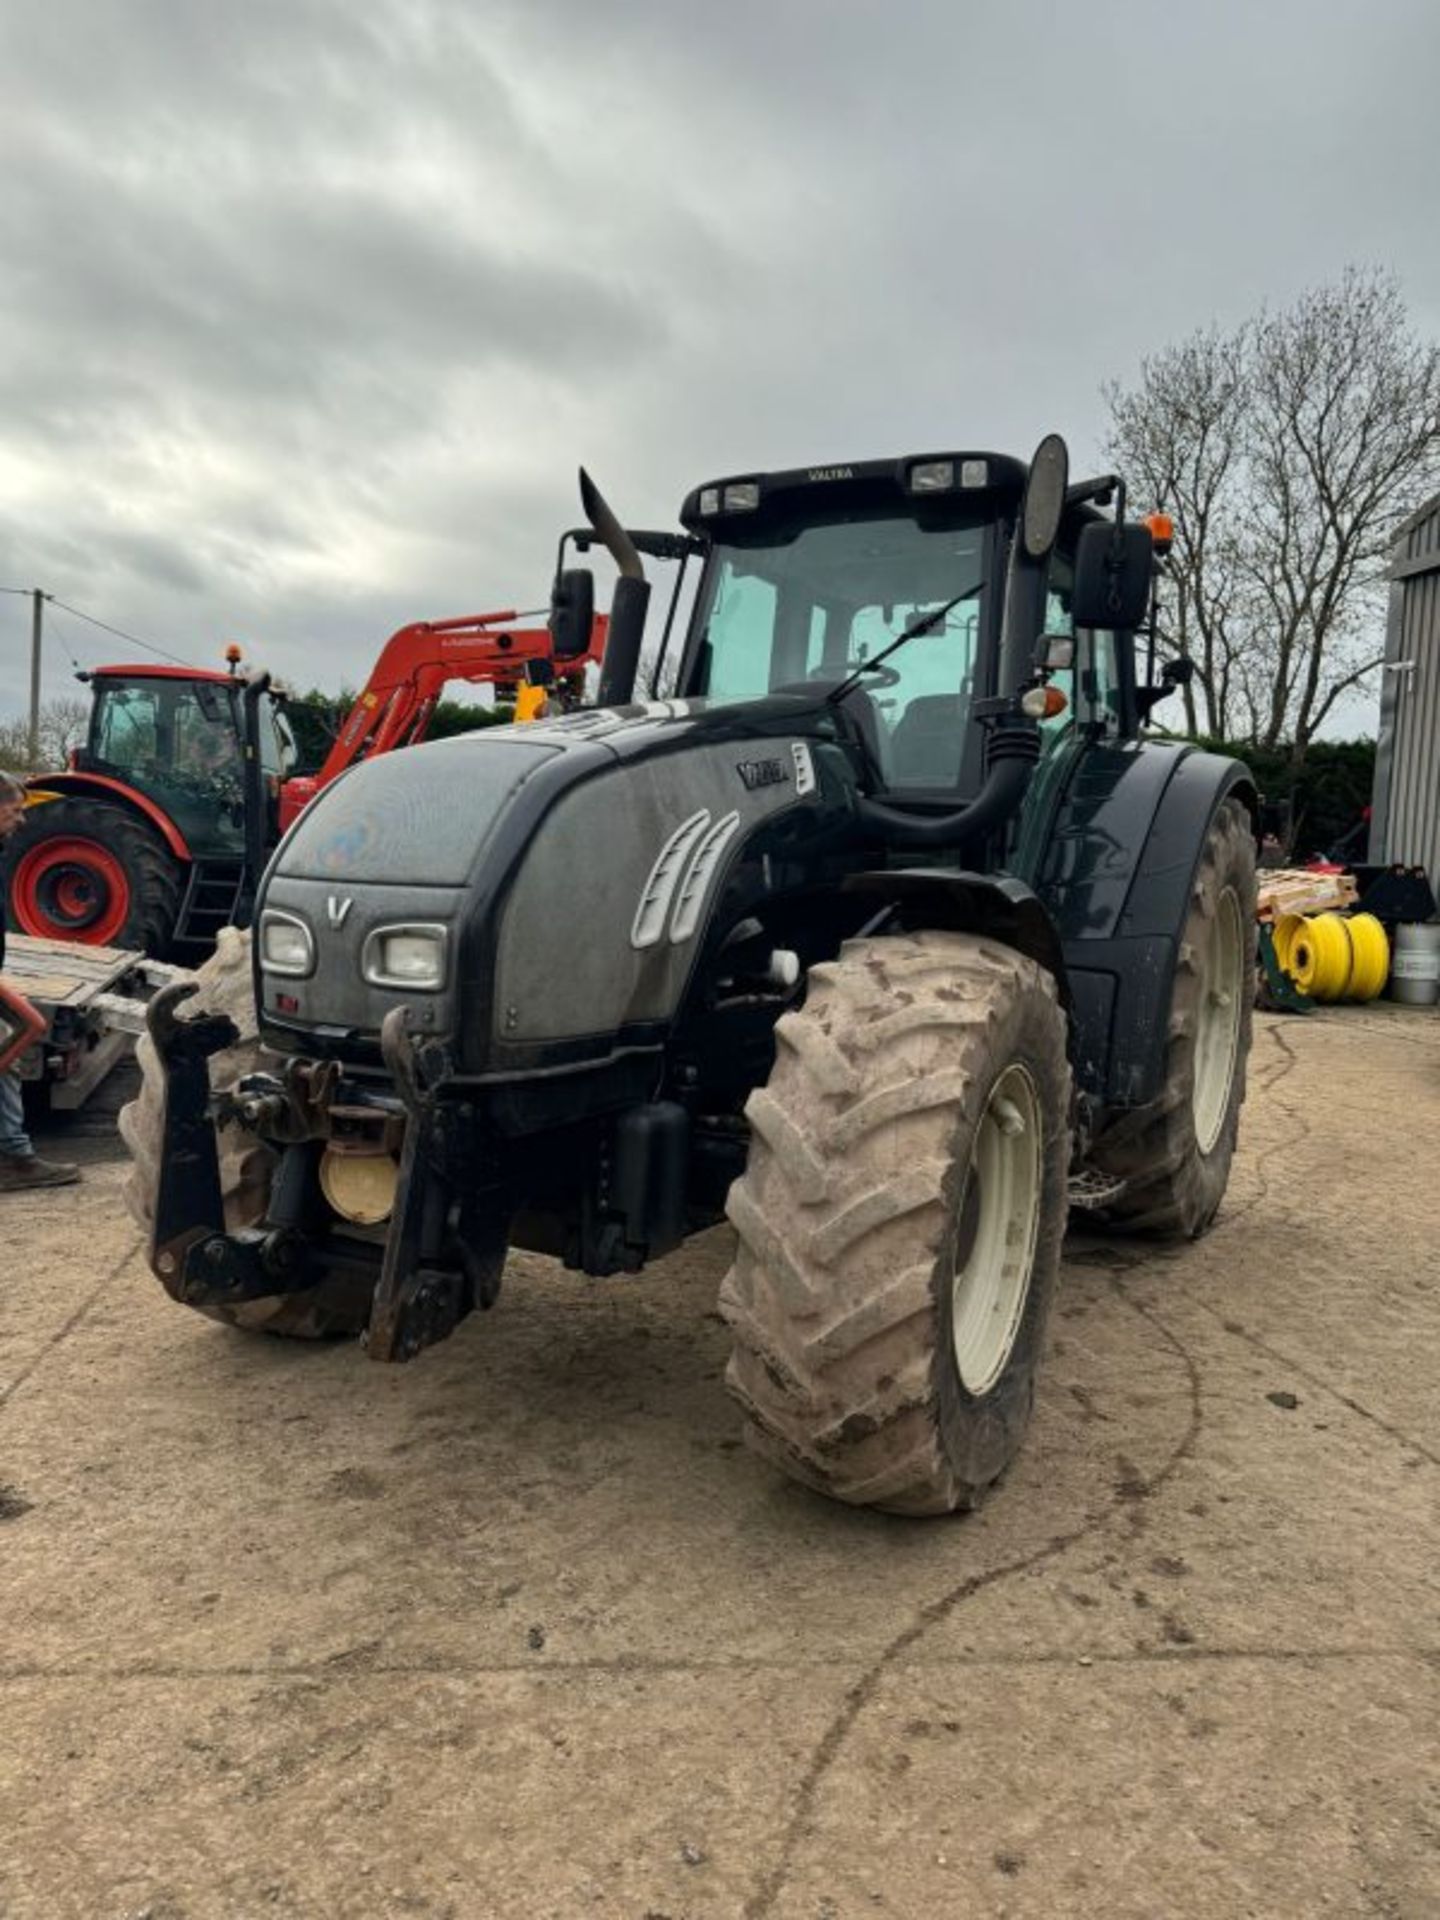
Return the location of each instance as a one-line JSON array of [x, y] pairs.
[[628, 603]]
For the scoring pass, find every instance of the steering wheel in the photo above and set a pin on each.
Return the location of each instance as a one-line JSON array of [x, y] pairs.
[[882, 676]]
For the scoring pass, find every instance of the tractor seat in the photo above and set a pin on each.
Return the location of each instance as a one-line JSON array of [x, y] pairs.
[[928, 745]]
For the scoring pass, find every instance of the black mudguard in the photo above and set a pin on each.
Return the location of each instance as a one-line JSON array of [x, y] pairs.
[[1117, 878], [965, 902]]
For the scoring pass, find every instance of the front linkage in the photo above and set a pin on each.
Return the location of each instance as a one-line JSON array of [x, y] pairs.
[[444, 1249]]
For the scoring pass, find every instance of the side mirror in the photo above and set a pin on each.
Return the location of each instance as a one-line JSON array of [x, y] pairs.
[[1173, 674], [1043, 506], [1114, 566], [540, 673], [285, 735], [1057, 651], [572, 612]]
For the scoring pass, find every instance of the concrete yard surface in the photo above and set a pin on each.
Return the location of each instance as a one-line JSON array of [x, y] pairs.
[[522, 1630]]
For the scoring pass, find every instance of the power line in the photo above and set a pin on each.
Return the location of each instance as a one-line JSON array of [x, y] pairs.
[[119, 632]]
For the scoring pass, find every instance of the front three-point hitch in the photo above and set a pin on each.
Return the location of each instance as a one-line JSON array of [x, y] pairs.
[[445, 1244]]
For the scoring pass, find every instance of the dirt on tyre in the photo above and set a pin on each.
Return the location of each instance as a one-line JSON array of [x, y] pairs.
[[247, 1166], [1175, 1153], [899, 1222], [81, 869]]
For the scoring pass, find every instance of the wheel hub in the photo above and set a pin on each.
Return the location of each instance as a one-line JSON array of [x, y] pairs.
[[1217, 1034], [995, 1239], [70, 888]]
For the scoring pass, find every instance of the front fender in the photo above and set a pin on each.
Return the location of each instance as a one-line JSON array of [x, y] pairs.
[[963, 902]]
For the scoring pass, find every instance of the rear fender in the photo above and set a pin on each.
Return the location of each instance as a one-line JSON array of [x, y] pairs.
[[98, 786], [1118, 876]]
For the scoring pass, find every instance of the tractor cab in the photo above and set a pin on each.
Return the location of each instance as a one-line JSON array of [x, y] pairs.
[[173, 736], [886, 585]]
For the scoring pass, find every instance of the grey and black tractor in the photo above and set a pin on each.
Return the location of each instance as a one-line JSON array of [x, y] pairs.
[[888, 935]]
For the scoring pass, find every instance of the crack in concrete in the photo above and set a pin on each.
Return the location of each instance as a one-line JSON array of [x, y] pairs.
[[1278, 1071], [771, 1884], [1281, 1071], [12, 1387], [623, 1666], [1320, 1383]]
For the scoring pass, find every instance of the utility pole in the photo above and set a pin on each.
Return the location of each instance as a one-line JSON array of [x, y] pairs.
[[36, 633]]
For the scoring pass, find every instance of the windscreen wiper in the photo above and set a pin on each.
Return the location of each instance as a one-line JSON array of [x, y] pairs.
[[922, 623]]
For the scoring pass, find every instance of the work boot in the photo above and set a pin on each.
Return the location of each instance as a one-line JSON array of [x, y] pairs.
[[29, 1170]]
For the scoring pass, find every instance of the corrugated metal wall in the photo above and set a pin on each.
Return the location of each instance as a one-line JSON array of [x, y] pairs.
[[1405, 823]]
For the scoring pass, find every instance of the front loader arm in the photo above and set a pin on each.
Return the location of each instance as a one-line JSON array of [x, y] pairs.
[[419, 660]]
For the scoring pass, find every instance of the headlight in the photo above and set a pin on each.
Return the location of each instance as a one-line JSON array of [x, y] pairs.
[[410, 956], [285, 945], [932, 476]]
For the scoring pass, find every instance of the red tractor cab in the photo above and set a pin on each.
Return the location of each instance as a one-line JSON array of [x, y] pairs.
[[142, 840]]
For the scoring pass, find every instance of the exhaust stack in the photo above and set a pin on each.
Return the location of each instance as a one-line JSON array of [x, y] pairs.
[[628, 604]]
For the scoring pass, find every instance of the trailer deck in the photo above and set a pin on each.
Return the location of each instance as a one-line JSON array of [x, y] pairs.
[[95, 1000]]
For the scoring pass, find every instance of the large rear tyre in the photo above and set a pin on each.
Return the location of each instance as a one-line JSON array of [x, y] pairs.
[[900, 1220], [1175, 1154], [247, 1166], [82, 869]]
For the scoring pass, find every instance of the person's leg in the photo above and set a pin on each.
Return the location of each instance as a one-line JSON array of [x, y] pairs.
[[20, 1165], [14, 1140]]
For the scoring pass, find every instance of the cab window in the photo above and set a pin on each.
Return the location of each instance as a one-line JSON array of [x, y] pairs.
[[815, 606], [127, 727]]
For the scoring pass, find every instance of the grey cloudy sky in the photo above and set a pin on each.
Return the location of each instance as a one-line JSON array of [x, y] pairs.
[[313, 306]]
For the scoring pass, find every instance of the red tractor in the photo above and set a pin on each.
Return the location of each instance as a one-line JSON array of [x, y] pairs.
[[156, 833]]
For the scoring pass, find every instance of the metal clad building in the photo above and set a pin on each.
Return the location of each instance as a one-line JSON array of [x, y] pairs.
[[1405, 820]]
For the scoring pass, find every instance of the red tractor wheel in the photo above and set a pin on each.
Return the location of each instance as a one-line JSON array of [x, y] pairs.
[[71, 890], [86, 871]]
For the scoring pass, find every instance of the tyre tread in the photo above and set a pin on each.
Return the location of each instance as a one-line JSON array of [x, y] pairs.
[[845, 1205]]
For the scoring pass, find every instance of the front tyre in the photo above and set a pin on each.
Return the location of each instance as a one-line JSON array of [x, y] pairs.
[[1175, 1154], [899, 1222]]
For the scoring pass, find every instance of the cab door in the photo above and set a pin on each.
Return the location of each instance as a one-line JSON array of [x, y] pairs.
[[1099, 716]]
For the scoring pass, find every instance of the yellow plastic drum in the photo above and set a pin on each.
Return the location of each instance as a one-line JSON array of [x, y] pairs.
[[1321, 957], [1370, 950], [1284, 934]]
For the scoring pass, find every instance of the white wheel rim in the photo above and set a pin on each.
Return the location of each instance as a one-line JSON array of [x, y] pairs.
[[1217, 1033], [1000, 1217]]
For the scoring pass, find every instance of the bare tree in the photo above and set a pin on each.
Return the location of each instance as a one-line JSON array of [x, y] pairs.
[[1177, 437], [62, 726], [1287, 450]]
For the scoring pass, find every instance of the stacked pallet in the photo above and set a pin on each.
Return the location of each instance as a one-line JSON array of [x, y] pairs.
[[1299, 890]]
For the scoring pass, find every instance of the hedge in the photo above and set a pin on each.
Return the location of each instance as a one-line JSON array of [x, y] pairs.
[[1312, 805]]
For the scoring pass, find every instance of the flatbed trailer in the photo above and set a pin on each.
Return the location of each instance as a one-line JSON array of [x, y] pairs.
[[94, 999]]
